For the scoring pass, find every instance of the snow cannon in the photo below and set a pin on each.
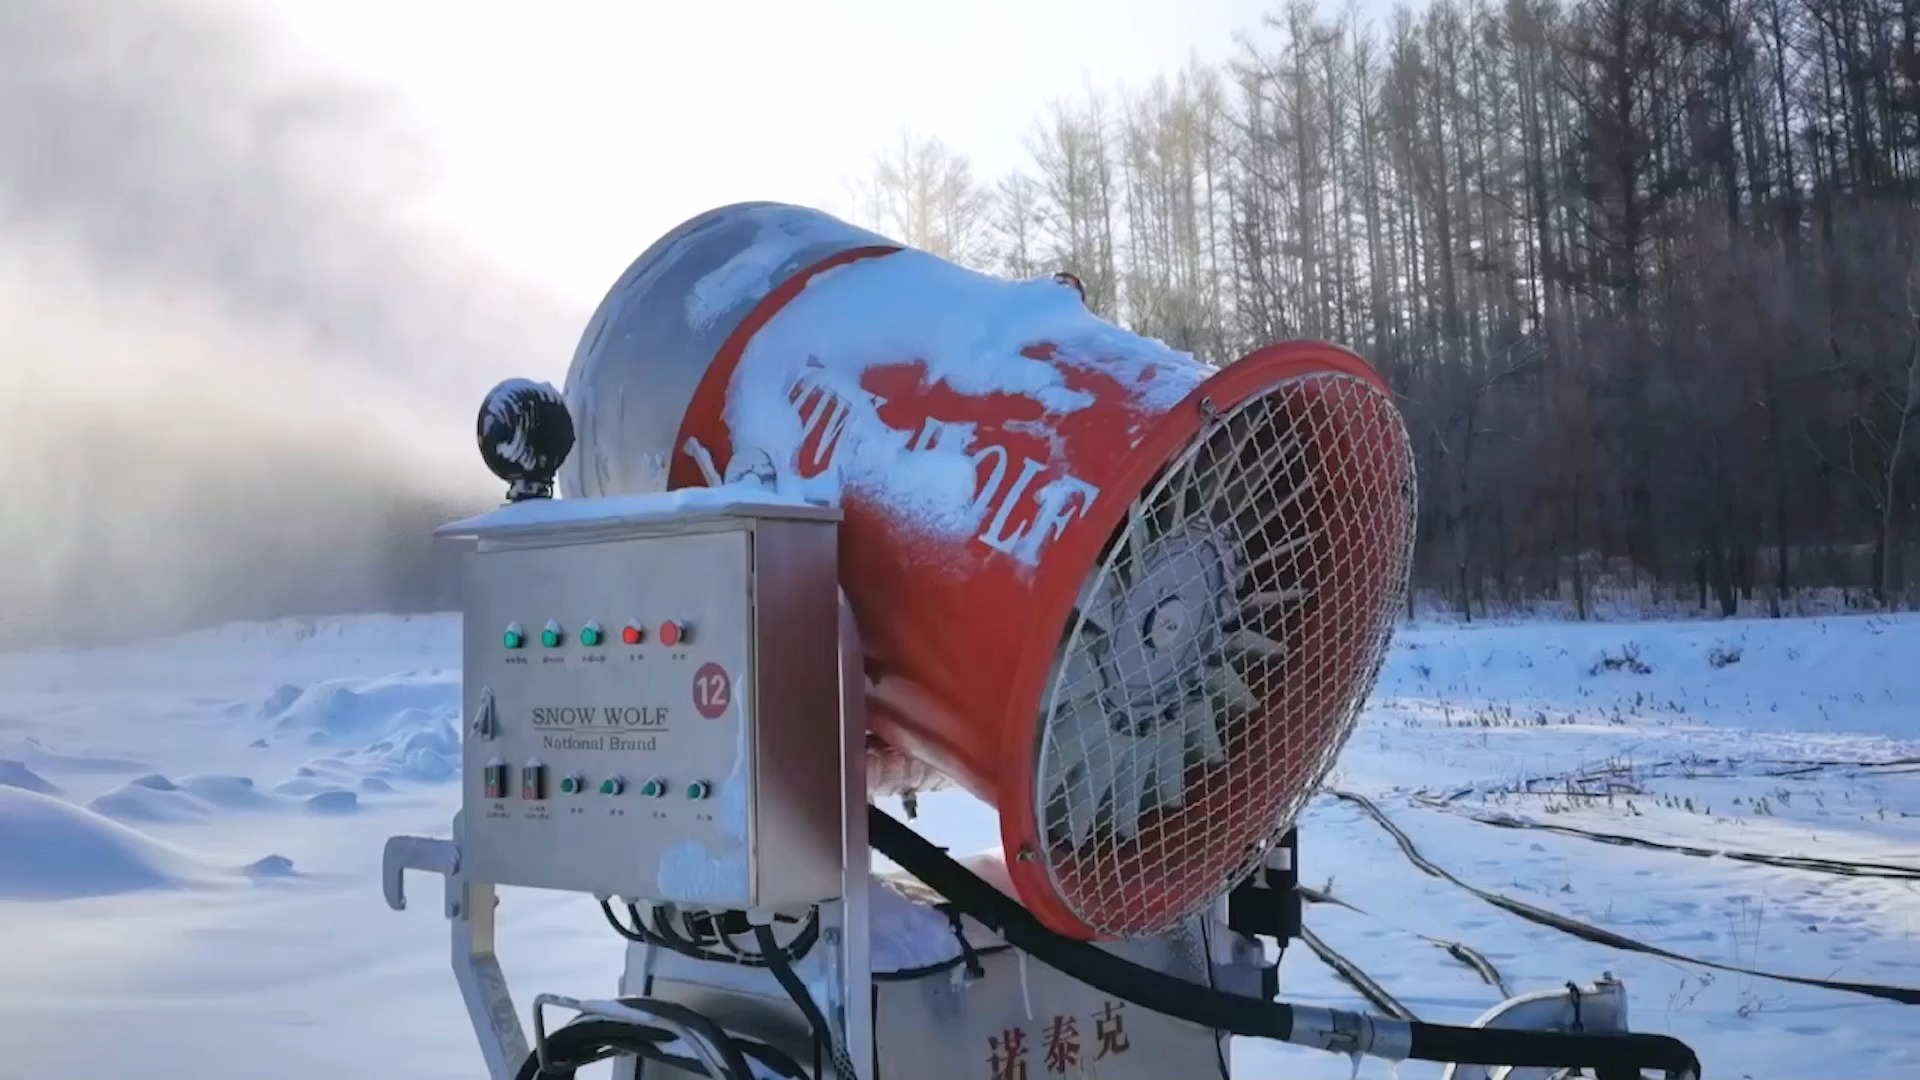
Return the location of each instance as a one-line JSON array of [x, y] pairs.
[[839, 518], [1131, 600]]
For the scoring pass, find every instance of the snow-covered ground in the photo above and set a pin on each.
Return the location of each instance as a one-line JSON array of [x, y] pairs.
[[190, 834]]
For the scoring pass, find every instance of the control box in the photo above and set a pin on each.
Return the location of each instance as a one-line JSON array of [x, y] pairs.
[[651, 699]]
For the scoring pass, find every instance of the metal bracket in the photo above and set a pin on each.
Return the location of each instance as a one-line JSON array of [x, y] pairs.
[[470, 908], [855, 958], [1600, 1009], [425, 853]]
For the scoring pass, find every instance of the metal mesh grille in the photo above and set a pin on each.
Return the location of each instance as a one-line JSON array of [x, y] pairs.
[[1221, 652]]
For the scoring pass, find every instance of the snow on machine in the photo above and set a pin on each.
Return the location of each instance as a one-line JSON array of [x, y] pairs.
[[841, 522]]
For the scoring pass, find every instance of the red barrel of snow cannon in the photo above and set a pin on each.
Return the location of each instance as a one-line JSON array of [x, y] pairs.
[[1132, 601]]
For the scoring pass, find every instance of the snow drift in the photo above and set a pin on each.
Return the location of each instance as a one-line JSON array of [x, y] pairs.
[[58, 851]]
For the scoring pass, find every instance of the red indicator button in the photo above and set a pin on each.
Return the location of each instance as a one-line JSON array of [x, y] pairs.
[[633, 635], [673, 632]]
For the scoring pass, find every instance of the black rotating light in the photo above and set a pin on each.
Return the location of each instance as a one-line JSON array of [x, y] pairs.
[[525, 433]]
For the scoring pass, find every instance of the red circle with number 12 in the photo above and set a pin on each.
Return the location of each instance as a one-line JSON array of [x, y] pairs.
[[712, 691]]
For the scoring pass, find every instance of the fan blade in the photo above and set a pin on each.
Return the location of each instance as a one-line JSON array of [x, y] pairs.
[[1200, 732], [1225, 683], [1279, 597], [1169, 767], [1247, 641], [1078, 735], [1130, 773]]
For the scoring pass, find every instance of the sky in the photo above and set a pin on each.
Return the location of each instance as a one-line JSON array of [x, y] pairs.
[[218, 314], [573, 132]]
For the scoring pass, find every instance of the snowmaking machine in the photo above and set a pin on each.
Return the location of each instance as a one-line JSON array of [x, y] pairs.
[[840, 523]]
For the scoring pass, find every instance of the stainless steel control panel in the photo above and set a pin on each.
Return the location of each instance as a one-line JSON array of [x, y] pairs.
[[651, 700]]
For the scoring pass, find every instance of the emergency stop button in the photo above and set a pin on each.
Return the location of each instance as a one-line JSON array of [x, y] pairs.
[[674, 632]]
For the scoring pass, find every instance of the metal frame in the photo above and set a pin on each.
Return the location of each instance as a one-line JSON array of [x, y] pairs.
[[470, 908], [856, 938]]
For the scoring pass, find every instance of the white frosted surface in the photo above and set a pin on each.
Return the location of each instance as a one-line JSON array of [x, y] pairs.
[[692, 873], [781, 236], [969, 330], [905, 933], [744, 496]]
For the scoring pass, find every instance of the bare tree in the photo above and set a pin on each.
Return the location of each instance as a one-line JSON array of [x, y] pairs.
[[924, 193], [1637, 269]]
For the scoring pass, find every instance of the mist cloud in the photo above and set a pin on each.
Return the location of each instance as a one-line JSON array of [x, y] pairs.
[[235, 379]]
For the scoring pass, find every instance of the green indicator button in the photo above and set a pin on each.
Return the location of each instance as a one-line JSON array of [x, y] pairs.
[[550, 637], [654, 789], [590, 635], [571, 784], [612, 785], [699, 789], [514, 638]]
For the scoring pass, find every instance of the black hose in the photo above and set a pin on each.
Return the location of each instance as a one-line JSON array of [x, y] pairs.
[[699, 1024], [1234, 1013], [776, 1061], [1797, 767], [1459, 950], [1351, 974], [1809, 863], [592, 1039], [586, 1041], [1588, 932]]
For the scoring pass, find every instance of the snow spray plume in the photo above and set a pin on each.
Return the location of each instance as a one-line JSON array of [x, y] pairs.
[[237, 382]]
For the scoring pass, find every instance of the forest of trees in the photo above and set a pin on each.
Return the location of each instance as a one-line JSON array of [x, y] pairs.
[[1643, 273]]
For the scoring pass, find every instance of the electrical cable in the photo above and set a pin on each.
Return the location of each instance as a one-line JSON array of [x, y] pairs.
[[1588, 932], [795, 951], [696, 931], [662, 936], [1459, 950], [699, 1024], [803, 998], [927, 971], [1351, 974], [1320, 1028], [1795, 767], [1809, 863], [777, 1061]]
